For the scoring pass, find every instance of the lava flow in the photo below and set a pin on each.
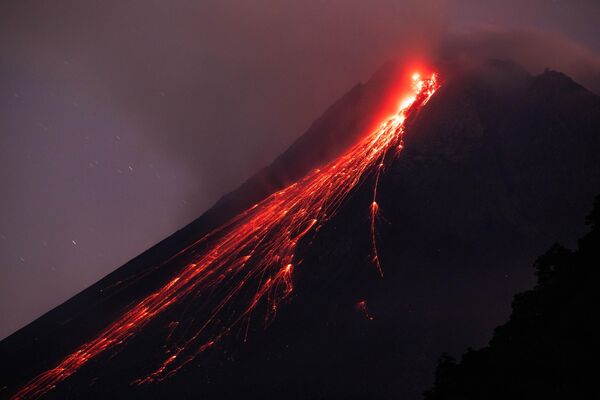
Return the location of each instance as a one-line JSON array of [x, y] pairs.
[[249, 260]]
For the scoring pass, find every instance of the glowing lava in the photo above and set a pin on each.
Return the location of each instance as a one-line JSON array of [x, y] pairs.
[[249, 260], [362, 307]]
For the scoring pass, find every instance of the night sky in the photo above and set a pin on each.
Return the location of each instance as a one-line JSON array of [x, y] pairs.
[[121, 121]]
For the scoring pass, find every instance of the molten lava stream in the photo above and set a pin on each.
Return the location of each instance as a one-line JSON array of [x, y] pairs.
[[254, 250]]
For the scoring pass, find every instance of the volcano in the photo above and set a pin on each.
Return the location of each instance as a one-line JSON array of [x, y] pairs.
[[421, 255]]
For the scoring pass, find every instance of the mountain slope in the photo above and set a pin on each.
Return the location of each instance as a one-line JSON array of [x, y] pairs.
[[498, 165], [39, 345]]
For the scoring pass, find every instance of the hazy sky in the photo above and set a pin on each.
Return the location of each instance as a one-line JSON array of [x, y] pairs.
[[121, 121]]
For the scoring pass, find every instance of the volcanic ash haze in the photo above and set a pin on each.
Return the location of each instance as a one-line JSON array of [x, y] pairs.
[[463, 210]]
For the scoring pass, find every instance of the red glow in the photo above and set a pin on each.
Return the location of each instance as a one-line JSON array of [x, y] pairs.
[[252, 258], [361, 307]]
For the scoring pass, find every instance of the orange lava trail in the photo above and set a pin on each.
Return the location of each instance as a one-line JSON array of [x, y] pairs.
[[254, 250]]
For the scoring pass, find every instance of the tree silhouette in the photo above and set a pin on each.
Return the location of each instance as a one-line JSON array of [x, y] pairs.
[[548, 348]]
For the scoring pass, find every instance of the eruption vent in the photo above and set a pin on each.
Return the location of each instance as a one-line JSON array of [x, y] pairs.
[[250, 260]]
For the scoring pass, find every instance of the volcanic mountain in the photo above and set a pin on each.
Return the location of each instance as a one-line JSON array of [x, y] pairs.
[[496, 166]]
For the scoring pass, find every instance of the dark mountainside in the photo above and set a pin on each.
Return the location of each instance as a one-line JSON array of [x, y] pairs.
[[497, 166], [547, 347]]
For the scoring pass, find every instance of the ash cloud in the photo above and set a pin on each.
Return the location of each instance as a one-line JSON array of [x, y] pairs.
[[533, 49]]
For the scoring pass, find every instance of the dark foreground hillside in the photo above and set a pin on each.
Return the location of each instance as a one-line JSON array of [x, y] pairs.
[[549, 347]]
